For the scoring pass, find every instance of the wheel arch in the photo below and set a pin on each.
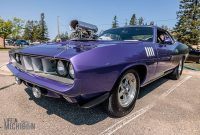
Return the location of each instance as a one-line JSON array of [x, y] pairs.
[[141, 70]]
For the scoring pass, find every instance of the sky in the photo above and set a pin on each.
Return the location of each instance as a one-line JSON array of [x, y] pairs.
[[100, 13]]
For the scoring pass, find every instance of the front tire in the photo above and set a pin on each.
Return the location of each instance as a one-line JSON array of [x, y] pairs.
[[176, 74], [124, 94]]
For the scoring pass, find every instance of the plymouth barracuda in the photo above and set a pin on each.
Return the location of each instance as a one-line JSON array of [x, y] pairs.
[[109, 68]]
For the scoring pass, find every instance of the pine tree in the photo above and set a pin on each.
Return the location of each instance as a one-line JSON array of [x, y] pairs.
[[28, 31], [43, 30], [188, 26], [62, 37], [31, 31], [37, 36], [141, 21], [133, 20], [115, 22]]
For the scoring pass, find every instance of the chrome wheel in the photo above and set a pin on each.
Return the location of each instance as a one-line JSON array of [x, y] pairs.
[[180, 67], [127, 90]]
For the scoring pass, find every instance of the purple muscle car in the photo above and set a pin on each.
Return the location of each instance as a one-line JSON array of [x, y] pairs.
[[89, 70]]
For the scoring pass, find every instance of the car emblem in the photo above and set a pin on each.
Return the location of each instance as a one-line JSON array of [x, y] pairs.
[[149, 51]]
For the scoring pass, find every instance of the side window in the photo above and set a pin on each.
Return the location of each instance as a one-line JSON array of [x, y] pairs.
[[160, 36], [169, 38], [164, 37]]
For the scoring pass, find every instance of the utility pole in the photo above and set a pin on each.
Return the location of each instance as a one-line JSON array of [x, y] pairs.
[[126, 23], [58, 27]]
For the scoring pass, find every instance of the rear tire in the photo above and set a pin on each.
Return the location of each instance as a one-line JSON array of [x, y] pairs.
[[124, 94], [176, 74]]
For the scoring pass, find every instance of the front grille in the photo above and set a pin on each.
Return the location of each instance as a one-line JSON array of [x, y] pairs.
[[38, 64], [41, 66]]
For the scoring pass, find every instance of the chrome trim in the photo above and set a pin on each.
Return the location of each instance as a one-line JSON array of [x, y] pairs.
[[127, 90], [43, 67], [37, 64], [52, 76], [27, 62]]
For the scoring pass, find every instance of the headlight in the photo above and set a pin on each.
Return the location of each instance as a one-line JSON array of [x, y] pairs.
[[71, 70], [61, 69]]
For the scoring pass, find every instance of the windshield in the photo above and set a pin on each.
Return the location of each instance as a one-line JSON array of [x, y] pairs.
[[128, 34]]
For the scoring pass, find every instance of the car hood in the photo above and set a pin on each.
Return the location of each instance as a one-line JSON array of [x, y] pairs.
[[68, 49]]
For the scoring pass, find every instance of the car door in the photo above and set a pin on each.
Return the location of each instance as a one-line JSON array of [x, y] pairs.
[[164, 48]]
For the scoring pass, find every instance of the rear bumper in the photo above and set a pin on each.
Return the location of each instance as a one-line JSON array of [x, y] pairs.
[[70, 90]]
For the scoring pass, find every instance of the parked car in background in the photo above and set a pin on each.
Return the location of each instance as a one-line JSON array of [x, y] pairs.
[[9, 41], [21, 42], [111, 68], [194, 55]]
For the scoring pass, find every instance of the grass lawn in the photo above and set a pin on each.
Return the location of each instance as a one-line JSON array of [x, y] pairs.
[[4, 49], [193, 65], [7, 48]]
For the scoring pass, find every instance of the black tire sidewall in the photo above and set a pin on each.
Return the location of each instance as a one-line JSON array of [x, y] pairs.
[[114, 106], [175, 75], [182, 62]]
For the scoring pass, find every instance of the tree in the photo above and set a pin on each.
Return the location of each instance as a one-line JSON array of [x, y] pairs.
[[141, 21], [188, 26], [5, 29], [18, 25], [115, 22], [31, 31], [42, 29], [62, 37], [28, 30], [36, 31], [133, 20]]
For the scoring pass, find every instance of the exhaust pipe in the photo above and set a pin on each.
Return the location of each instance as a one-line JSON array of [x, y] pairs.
[[18, 81]]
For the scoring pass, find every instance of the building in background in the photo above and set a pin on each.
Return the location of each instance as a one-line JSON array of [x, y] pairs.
[[1, 42]]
